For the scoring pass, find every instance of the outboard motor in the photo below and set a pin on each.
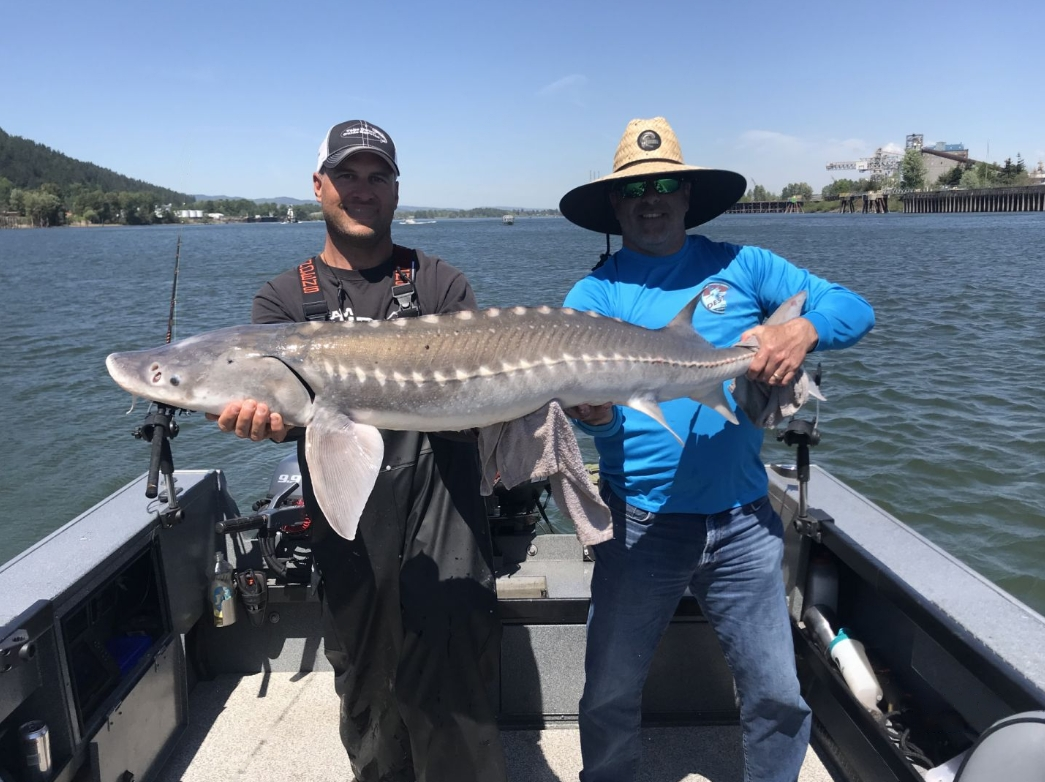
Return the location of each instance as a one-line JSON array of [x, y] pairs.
[[287, 550]]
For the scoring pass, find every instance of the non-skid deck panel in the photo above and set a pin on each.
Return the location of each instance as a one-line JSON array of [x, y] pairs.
[[282, 727]]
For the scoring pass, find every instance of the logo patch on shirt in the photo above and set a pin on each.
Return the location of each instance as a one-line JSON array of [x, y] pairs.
[[713, 297]]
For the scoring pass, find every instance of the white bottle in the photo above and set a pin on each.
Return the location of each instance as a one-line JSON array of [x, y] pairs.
[[851, 658], [222, 592]]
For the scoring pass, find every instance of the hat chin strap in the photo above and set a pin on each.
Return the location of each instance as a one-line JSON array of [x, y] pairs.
[[604, 256]]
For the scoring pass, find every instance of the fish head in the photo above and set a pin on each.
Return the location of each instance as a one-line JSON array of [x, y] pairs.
[[208, 371]]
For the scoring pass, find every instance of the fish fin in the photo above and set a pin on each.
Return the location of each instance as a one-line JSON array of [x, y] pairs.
[[813, 389], [789, 310], [344, 458], [683, 322], [647, 403], [715, 398]]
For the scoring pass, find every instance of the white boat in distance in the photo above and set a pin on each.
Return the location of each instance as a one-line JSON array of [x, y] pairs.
[[508, 219], [412, 221]]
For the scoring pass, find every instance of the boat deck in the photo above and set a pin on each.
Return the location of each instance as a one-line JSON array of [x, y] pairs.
[[282, 727]]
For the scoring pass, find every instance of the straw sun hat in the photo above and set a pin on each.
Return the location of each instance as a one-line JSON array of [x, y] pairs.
[[650, 149]]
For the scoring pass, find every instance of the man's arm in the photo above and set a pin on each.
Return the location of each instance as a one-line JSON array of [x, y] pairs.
[[834, 317]]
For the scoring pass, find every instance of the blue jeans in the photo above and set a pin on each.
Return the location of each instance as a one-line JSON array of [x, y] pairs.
[[731, 562]]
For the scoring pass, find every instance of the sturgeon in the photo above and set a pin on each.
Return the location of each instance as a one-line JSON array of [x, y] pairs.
[[345, 380]]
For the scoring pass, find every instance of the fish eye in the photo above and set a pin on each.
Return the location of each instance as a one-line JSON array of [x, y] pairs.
[[175, 380]]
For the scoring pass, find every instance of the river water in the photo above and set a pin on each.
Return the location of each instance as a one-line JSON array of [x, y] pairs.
[[937, 415]]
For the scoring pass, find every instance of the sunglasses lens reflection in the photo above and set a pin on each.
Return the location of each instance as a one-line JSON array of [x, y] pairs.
[[663, 186]]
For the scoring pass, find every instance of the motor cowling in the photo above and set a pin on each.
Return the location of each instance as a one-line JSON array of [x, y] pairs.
[[1012, 749]]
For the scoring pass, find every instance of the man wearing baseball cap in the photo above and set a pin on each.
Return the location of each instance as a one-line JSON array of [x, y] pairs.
[[692, 515], [409, 605]]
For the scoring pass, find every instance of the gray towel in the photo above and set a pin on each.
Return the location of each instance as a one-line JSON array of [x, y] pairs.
[[542, 445], [766, 406]]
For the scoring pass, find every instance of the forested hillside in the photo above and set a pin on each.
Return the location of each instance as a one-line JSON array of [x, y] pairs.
[[28, 165], [41, 187]]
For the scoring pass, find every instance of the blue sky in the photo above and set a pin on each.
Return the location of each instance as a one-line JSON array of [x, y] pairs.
[[513, 104]]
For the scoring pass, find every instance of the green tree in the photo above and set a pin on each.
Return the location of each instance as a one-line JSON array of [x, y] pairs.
[[975, 177], [951, 178], [759, 193], [798, 190], [44, 209], [16, 200], [5, 193], [838, 187], [912, 170]]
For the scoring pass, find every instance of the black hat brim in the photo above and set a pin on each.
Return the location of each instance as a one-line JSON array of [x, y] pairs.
[[712, 191]]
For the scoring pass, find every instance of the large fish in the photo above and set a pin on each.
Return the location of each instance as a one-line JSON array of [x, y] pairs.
[[344, 381]]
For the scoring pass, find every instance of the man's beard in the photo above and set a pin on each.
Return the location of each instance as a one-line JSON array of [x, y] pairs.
[[336, 218]]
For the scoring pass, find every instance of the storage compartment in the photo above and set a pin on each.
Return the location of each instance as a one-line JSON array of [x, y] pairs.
[[919, 722], [111, 632], [28, 671]]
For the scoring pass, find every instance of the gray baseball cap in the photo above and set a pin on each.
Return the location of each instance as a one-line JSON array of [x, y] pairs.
[[347, 138]]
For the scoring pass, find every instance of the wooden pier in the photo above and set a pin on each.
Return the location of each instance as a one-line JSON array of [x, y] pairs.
[[994, 199], [765, 207], [869, 203]]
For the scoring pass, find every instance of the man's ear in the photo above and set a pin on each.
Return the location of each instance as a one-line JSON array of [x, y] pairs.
[[317, 184]]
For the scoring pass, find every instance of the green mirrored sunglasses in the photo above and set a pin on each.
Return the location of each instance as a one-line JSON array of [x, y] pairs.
[[663, 186]]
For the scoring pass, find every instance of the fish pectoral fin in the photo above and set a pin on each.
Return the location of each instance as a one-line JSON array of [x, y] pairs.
[[715, 398], [789, 310], [647, 403], [344, 459]]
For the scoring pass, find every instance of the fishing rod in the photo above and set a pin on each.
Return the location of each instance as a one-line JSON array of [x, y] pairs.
[[160, 427], [174, 290]]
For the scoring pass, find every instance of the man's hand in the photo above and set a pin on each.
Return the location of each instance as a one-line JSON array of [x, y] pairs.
[[251, 419], [781, 350], [593, 415]]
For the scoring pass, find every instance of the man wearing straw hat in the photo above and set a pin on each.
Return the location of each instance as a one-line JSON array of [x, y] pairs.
[[696, 515]]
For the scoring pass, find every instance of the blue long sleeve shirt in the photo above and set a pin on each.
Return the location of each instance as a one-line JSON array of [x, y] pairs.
[[719, 466]]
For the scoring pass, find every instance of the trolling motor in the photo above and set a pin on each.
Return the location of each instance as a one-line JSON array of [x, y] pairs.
[[158, 430], [803, 434]]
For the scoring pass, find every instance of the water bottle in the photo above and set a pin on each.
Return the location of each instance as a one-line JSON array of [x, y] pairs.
[[223, 592], [851, 658]]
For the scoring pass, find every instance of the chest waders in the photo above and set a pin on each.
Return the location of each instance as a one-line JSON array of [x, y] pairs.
[[410, 619]]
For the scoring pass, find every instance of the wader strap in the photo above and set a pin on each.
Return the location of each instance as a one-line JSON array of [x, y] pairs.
[[314, 303], [403, 291]]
